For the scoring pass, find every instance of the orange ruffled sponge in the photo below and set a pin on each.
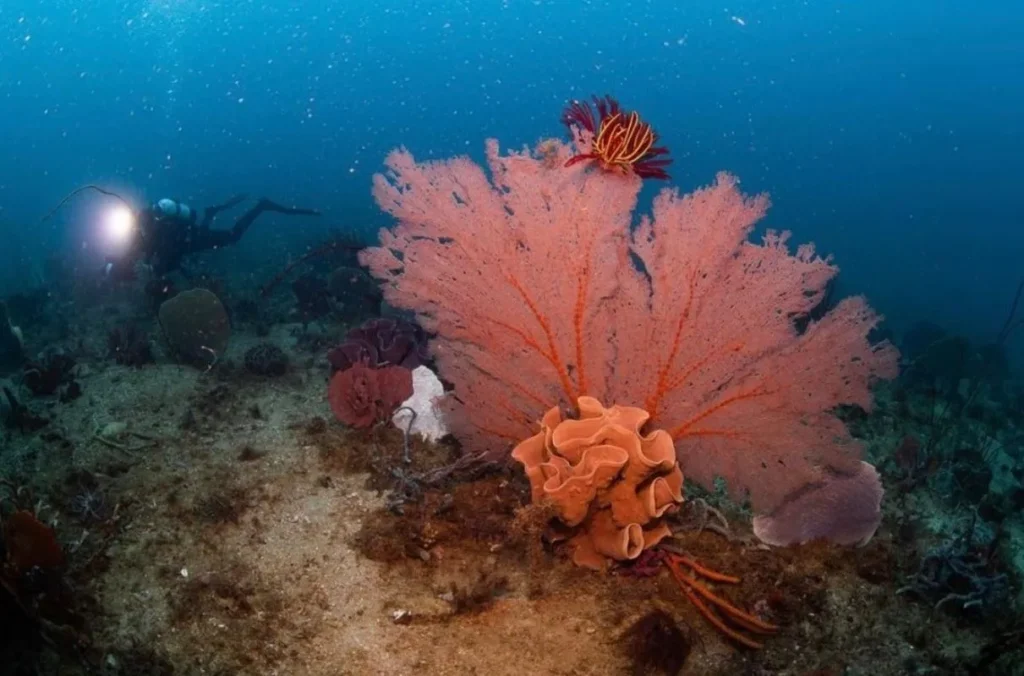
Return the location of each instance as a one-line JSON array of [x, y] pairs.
[[611, 485]]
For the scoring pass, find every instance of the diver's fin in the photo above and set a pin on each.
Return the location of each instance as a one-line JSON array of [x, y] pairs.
[[268, 205], [234, 201]]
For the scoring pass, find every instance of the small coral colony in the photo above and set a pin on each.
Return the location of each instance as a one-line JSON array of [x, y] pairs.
[[610, 356]]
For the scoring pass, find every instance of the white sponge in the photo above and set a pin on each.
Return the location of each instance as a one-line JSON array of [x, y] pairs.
[[427, 392]]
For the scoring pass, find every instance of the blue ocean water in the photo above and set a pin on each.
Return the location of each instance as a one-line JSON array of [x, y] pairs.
[[887, 133]]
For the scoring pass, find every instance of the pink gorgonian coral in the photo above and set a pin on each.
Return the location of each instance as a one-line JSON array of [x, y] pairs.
[[539, 288]]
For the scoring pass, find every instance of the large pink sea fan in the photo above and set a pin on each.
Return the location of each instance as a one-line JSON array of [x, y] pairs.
[[539, 290]]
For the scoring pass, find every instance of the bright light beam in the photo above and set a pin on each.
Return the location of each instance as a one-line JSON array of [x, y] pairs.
[[119, 224]]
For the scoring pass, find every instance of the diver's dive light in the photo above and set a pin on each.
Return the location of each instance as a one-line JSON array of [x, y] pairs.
[[117, 222], [119, 225]]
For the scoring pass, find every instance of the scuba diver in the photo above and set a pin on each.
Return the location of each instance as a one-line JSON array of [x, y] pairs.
[[168, 231]]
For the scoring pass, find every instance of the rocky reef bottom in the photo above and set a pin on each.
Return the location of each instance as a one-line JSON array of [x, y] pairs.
[[220, 522]]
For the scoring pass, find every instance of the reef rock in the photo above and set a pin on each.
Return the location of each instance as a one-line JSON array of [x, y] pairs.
[[610, 484], [196, 325], [6, 407], [12, 344]]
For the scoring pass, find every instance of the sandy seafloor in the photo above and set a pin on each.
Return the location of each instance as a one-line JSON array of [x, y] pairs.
[[242, 535]]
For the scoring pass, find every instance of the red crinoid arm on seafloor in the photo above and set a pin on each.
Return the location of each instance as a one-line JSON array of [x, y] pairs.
[[698, 593]]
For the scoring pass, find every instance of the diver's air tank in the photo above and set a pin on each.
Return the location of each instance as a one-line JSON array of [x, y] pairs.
[[168, 208]]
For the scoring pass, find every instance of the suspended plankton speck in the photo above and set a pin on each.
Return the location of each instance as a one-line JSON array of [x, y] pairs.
[[739, 20]]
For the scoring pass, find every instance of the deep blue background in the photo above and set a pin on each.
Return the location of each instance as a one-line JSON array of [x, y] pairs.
[[887, 132]]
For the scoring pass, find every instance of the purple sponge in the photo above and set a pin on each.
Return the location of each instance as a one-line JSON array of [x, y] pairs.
[[843, 509]]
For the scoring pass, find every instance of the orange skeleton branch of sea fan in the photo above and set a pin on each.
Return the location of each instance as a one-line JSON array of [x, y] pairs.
[[621, 142]]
